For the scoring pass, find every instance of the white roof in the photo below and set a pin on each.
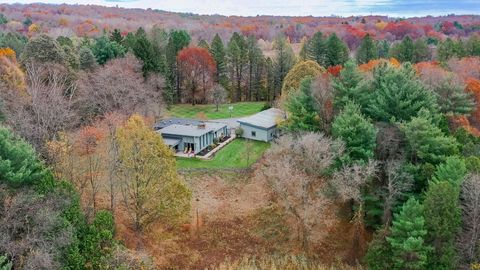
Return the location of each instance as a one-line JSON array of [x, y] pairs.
[[191, 130], [264, 119]]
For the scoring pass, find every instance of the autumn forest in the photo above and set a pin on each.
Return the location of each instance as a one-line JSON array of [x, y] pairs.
[[376, 163]]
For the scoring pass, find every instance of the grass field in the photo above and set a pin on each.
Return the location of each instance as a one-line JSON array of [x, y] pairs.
[[240, 109], [232, 156]]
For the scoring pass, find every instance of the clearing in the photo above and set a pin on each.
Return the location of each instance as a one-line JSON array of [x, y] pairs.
[[240, 109], [236, 155]]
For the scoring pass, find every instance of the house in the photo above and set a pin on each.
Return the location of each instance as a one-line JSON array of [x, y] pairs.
[[190, 135], [263, 125]]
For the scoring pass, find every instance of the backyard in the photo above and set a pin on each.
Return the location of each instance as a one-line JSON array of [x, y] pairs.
[[238, 154], [208, 111]]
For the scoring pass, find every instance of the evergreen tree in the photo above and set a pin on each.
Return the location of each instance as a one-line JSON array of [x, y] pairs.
[[421, 51], [237, 59], [19, 163], [337, 51], [426, 142], [452, 98], [383, 48], [442, 220], [104, 50], [407, 239], [317, 49], [396, 94], [177, 40], [356, 131], [202, 43], [452, 171], [14, 41], [367, 50], [403, 51], [379, 254], [302, 114], [284, 61], [144, 51], [345, 85], [217, 50], [86, 58], [116, 36], [472, 46], [254, 67], [449, 49]]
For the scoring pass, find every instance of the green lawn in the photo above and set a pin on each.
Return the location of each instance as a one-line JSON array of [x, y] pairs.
[[239, 109], [232, 156]]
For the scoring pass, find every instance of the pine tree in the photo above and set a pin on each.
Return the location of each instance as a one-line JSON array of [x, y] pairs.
[[396, 93], [177, 40], [217, 50], [345, 85], [367, 50], [284, 61], [452, 171], [472, 46], [403, 51], [86, 58], [337, 51], [421, 51], [383, 49], [116, 36], [254, 65], [202, 43], [442, 220], [452, 98], [302, 114], [358, 134], [317, 49], [144, 51], [426, 142], [407, 239], [449, 49], [237, 60]]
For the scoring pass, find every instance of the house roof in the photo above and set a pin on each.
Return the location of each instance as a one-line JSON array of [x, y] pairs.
[[179, 121], [191, 130], [264, 119], [171, 142]]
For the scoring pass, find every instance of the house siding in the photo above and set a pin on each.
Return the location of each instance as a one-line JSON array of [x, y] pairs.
[[260, 133]]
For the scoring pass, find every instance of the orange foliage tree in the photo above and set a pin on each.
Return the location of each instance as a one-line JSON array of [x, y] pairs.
[[198, 68], [372, 64], [473, 86]]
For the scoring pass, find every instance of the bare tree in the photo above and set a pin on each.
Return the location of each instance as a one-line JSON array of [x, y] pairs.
[[48, 107], [218, 95], [397, 182], [293, 168], [469, 237], [322, 92]]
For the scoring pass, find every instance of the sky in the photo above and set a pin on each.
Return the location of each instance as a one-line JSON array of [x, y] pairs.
[[394, 8]]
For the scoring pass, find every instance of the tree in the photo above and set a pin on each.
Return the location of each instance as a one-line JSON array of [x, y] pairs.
[[421, 51], [426, 142], [442, 221], [217, 50], [19, 163], [14, 41], [453, 99], [356, 131], [300, 71], [407, 239], [104, 50], [317, 49], [151, 187], [283, 62], [472, 46], [404, 51], [469, 236], [449, 49], [237, 59], [86, 58], [337, 51], [452, 171], [5, 264], [177, 40], [303, 115], [254, 68], [118, 86], [292, 168], [345, 86], [43, 49], [197, 68], [367, 50], [144, 51], [396, 94], [383, 48], [116, 36], [219, 95]]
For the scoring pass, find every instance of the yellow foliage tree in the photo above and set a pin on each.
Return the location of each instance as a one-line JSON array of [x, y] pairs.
[[151, 187], [33, 28], [299, 72], [10, 72]]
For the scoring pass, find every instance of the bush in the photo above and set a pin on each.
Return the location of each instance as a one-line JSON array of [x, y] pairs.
[[239, 132]]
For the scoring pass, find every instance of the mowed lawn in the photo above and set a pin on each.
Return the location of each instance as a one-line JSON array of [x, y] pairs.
[[237, 154], [240, 109]]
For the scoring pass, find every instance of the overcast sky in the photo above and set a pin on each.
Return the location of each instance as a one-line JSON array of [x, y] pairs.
[[397, 8]]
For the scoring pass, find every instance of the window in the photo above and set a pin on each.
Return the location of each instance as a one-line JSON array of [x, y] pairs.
[[254, 133]]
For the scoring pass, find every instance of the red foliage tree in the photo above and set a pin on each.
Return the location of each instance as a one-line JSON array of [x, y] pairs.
[[334, 70], [197, 68]]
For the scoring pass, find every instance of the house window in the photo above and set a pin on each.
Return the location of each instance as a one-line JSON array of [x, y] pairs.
[[254, 133]]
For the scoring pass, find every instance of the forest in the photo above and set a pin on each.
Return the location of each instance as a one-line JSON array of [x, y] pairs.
[[378, 165]]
